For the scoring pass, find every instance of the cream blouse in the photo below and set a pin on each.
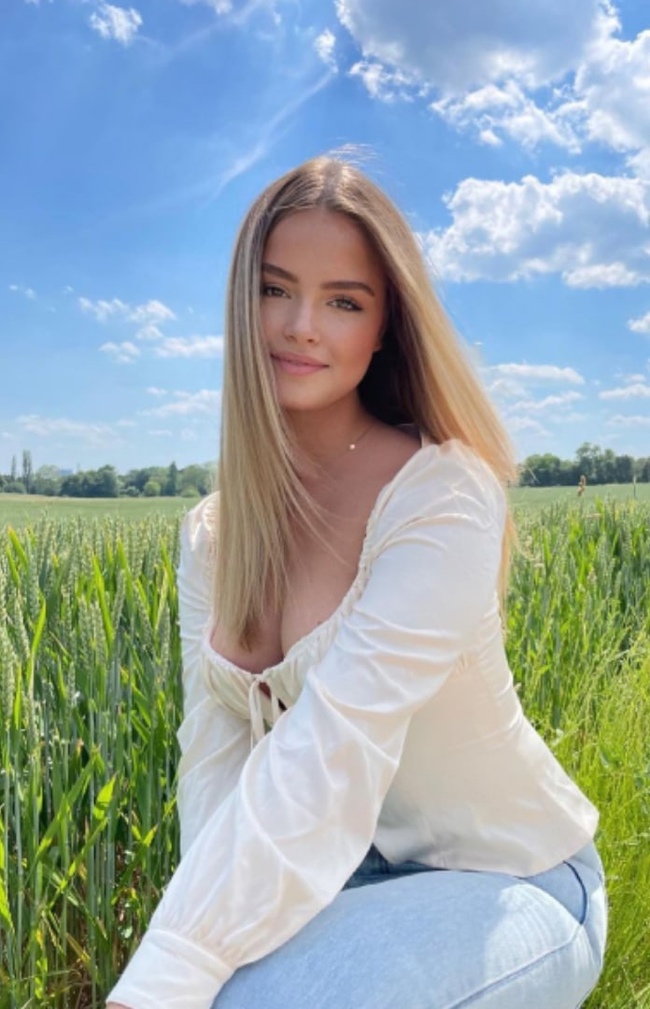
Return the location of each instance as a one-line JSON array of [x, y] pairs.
[[402, 728]]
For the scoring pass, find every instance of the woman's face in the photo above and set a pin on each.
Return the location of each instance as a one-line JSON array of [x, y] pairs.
[[323, 297]]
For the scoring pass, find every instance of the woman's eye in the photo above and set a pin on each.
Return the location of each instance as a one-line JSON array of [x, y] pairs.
[[347, 304], [272, 289]]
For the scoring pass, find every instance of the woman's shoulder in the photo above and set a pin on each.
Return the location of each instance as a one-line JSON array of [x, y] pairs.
[[199, 525], [440, 478]]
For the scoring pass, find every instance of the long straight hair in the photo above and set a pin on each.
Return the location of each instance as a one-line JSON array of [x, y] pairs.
[[420, 376]]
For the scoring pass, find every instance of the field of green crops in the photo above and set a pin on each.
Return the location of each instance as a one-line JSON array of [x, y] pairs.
[[90, 702]]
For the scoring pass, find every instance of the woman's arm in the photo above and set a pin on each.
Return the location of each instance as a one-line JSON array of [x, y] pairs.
[[214, 742], [280, 847]]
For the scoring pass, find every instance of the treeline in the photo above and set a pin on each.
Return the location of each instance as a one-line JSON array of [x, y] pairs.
[[595, 464], [152, 481]]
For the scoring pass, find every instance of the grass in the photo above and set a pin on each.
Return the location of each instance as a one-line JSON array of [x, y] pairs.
[[22, 509], [90, 702]]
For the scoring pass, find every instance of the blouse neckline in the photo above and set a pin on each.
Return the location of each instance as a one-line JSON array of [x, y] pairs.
[[298, 645]]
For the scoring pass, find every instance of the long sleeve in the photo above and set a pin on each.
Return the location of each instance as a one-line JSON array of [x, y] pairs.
[[280, 847], [214, 741]]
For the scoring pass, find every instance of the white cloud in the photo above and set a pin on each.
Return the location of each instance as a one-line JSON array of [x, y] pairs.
[[29, 292], [506, 109], [469, 43], [383, 83], [117, 23], [612, 83], [637, 390], [160, 432], [603, 275], [536, 373], [206, 401], [122, 353], [548, 403], [191, 346], [152, 311], [641, 325], [590, 229], [534, 72], [155, 391], [518, 424], [103, 310], [149, 316], [218, 6], [634, 420], [93, 434], [324, 46]]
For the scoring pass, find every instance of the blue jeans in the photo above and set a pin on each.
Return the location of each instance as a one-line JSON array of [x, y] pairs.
[[440, 939]]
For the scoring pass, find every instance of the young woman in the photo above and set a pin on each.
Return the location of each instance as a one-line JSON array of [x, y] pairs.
[[368, 820]]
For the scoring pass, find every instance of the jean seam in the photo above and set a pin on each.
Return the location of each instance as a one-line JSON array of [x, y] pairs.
[[512, 975]]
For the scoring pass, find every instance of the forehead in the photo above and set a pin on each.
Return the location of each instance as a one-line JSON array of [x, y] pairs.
[[310, 237]]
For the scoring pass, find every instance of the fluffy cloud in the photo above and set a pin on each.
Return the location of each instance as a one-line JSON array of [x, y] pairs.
[[455, 47], [534, 373], [548, 403], [206, 401], [122, 353], [537, 72], [116, 23], [641, 325], [191, 346], [634, 420], [218, 6], [324, 46], [103, 310], [29, 292], [636, 390], [494, 110], [149, 316], [94, 434], [590, 229]]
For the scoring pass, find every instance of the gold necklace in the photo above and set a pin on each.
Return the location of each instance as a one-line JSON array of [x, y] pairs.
[[353, 444]]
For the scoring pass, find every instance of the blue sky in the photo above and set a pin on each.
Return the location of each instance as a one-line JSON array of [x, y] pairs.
[[515, 137]]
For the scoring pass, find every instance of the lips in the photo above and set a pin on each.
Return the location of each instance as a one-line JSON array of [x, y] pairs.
[[299, 359], [295, 364]]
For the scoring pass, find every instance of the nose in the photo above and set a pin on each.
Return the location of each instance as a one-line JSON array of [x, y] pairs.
[[301, 322]]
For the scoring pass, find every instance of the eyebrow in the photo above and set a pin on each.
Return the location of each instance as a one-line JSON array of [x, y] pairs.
[[330, 285]]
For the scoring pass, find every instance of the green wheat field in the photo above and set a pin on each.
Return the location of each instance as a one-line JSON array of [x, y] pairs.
[[90, 702]]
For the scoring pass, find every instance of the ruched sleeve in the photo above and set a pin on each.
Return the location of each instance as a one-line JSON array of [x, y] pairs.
[[279, 848], [214, 742]]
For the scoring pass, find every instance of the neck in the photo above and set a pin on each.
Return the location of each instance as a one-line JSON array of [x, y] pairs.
[[323, 440]]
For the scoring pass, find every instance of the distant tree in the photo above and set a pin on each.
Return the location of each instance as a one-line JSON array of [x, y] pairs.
[[14, 487], [196, 476], [73, 485], [101, 482], [27, 470], [606, 466], [47, 480], [587, 457], [624, 469], [151, 488], [171, 484], [541, 470], [14, 469]]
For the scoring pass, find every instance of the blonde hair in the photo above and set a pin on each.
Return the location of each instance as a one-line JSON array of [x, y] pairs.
[[421, 376]]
